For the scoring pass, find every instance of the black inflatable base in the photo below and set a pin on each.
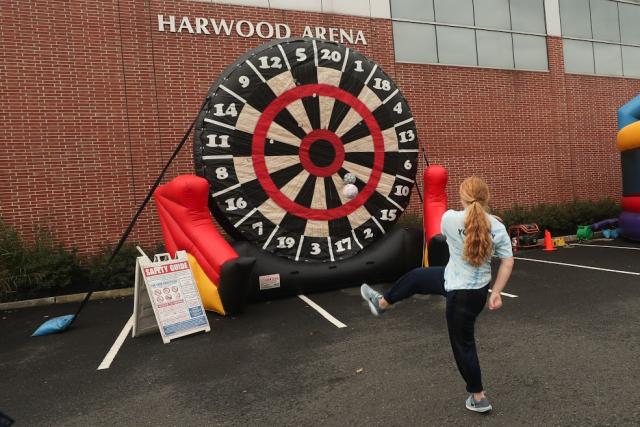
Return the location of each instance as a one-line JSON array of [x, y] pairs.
[[397, 252], [234, 284]]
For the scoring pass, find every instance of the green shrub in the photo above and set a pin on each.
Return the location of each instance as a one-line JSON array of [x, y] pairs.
[[46, 268], [559, 219], [34, 269], [563, 218], [121, 272], [410, 220]]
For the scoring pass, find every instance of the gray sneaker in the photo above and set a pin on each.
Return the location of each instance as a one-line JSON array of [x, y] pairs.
[[481, 405], [372, 298]]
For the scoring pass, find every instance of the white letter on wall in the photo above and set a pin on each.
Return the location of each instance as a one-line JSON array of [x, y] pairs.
[[185, 24], [260, 27], [239, 28], [201, 25], [171, 22], [287, 31]]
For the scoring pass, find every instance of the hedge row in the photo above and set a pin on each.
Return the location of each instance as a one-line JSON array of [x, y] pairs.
[[45, 268], [560, 219]]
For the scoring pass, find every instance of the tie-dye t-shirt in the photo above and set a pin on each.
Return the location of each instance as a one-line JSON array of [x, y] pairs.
[[459, 274]]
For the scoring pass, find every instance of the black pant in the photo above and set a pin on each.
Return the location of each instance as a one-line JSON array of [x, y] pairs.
[[463, 307]]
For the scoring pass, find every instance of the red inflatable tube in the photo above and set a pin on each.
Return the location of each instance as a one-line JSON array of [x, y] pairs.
[[187, 224], [435, 200], [631, 204]]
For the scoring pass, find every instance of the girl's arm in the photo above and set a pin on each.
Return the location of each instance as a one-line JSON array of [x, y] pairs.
[[504, 272]]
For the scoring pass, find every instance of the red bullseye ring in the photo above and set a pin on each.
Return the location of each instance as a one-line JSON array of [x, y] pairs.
[[260, 167], [305, 152]]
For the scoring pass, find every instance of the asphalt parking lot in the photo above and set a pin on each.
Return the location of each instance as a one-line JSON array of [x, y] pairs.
[[562, 351]]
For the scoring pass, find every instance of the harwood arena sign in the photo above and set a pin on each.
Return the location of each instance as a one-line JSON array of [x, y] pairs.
[[246, 28]]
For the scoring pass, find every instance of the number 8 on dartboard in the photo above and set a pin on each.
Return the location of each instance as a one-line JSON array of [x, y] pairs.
[[287, 128]]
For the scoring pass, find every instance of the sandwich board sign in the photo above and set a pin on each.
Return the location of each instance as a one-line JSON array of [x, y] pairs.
[[166, 298]]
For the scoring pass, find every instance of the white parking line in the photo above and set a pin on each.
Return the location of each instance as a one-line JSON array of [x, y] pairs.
[[506, 294], [606, 246], [106, 363], [323, 312], [588, 267]]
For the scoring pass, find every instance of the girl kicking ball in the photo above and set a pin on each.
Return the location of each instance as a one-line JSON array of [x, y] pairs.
[[473, 236]]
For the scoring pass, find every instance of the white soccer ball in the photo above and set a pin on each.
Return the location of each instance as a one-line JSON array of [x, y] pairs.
[[349, 178], [349, 191]]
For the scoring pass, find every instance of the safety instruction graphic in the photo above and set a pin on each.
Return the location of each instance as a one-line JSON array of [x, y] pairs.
[[173, 295]]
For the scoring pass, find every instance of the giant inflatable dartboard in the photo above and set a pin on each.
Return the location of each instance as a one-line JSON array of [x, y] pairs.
[[283, 126]]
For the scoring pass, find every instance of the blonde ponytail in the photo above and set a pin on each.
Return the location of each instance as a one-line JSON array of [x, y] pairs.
[[477, 243]]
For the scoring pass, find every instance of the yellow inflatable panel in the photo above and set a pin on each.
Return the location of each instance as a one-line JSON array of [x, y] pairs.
[[208, 290], [629, 137]]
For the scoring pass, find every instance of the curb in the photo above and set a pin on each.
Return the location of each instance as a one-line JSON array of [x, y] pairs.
[[63, 299]]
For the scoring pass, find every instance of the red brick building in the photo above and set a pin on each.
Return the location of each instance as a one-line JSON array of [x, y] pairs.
[[95, 96]]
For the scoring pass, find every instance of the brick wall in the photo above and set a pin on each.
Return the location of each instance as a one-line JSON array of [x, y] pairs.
[[94, 100]]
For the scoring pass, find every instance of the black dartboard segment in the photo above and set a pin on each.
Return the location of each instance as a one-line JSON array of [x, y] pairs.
[[283, 126]]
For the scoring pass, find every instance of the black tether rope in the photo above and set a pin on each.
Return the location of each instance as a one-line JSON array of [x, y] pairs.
[[155, 185]]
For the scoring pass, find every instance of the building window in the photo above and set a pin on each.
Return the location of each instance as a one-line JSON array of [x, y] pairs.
[[507, 34], [601, 37]]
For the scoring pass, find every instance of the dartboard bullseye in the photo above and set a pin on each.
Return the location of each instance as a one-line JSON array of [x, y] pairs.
[[284, 125]]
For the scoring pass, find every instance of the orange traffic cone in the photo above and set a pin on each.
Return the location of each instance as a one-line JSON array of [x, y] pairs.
[[548, 243]]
